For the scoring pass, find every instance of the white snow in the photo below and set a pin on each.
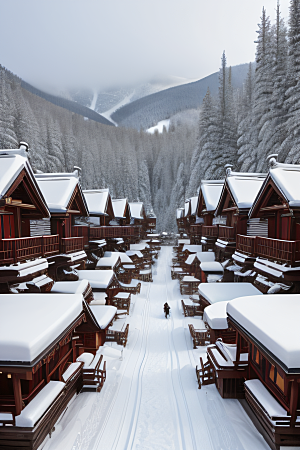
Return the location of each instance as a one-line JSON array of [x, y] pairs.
[[97, 201], [57, 189], [124, 295], [39, 405], [211, 266], [194, 202], [99, 298], [135, 253], [107, 114], [202, 257], [190, 279], [138, 247], [211, 190], [119, 207], [27, 268], [70, 287], [98, 279], [244, 188], [193, 248], [104, 314], [267, 401], [94, 100], [110, 259], [39, 321], [222, 292], [179, 213], [287, 178], [86, 358], [70, 371], [274, 321], [216, 315], [136, 210], [160, 126], [150, 399]]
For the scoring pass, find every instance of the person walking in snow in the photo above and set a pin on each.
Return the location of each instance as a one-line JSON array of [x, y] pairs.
[[166, 310]]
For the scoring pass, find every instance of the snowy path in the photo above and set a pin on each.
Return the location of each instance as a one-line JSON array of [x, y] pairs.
[[150, 400]]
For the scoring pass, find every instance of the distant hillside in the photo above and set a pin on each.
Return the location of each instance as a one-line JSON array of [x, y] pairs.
[[67, 104], [148, 111]]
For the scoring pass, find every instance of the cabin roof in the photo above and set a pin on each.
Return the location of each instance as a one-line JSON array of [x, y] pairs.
[[104, 314], [109, 259], [221, 292], [187, 207], [98, 279], [134, 252], [97, 201], [192, 248], [202, 256], [39, 321], [139, 247], [137, 210], [273, 321], [70, 287], [216, 316], [194, 201], [12, 163], [119, 207], [58, 189], [179, 213], [243, 189], [211, 191]]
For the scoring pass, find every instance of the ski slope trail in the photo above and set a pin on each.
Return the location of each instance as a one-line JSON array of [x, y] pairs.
[[150, 400]]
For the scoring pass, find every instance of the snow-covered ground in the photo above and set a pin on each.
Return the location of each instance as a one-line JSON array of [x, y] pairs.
[[107, 114], [160, 126], [151, 400]]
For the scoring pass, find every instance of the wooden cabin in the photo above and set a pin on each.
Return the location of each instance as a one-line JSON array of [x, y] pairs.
[[238, 195], [121, 211], [151, 222], [206, 230], [22, 206], [190, 216], [66, 202], [139, 217], [271, 353], [213, 294], [273, 247], [180, 220], [36, 351], [194, 260]]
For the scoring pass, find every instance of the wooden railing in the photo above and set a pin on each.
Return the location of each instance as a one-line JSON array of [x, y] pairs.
[[114, 231], [226, 233], [196, 230], [14, 250], [273, 249], [246, 244], [210, 231], [81, 231], [72, 244]]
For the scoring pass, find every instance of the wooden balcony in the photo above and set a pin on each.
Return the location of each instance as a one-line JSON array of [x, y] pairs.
[[15, 250], [72, 244], [227, 233], [196, 230], [81, 231], [114, 232], [210, 231], [273, 249]]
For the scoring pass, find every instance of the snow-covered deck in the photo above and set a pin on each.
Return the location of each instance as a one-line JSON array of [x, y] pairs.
[[222, 292], [98, 279]]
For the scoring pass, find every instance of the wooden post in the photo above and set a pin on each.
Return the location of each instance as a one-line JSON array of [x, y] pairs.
[[17, 393], [293, 402], [14, 251]]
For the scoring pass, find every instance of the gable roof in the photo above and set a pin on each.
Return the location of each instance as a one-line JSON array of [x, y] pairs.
[[16, 169], [137, 210], [59, 190], [242, 188], [209, 195], [98, 201], [119, 207], [286, 180], [179, 213]]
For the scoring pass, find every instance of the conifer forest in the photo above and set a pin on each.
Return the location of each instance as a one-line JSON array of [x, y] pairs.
[[237, 126]]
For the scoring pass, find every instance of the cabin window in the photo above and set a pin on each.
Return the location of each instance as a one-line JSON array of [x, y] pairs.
[[256, 356], [276, 377]]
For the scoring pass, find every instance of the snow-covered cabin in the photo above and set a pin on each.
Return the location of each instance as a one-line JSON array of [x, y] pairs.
[[139, 217], [121, 211], [65, 201], [238, 195], [180, 220], [22, 203], [268, 345], [100, 206], [151, 222]]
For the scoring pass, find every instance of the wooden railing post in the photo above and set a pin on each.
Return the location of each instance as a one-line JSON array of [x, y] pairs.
[[14, 251], [255, 246], [42, 246], [293, 256]]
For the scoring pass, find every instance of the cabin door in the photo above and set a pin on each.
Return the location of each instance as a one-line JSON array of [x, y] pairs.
[[7, 226], [285, 228]]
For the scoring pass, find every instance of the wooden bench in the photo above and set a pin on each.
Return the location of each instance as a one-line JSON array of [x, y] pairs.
[[94, 376], [205, 374], [192, 310], [199, 337]]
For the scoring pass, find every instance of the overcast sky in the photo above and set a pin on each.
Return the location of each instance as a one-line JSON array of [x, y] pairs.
[[97, 43]]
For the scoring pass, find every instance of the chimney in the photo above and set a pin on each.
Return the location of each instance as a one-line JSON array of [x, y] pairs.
[[228, 169], [272, 160], [77, 171]]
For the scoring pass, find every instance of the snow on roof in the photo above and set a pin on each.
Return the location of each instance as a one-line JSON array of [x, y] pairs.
[[134, 253], [273, 320], [190, 279], [39, 321], [98, 279], [211, 190], [139, 247], [221, 292], [179, 213], [104, 314], [136, 210], [70, 287], [266, 399], [287, 179], [202, 256], [119, 206], [109, 259], [194, 202], [216, 315], [12, 162], [211, 266], [27, 268], [244, 187], [186, 207], [57, 188], [97, 200], [192, 248]]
